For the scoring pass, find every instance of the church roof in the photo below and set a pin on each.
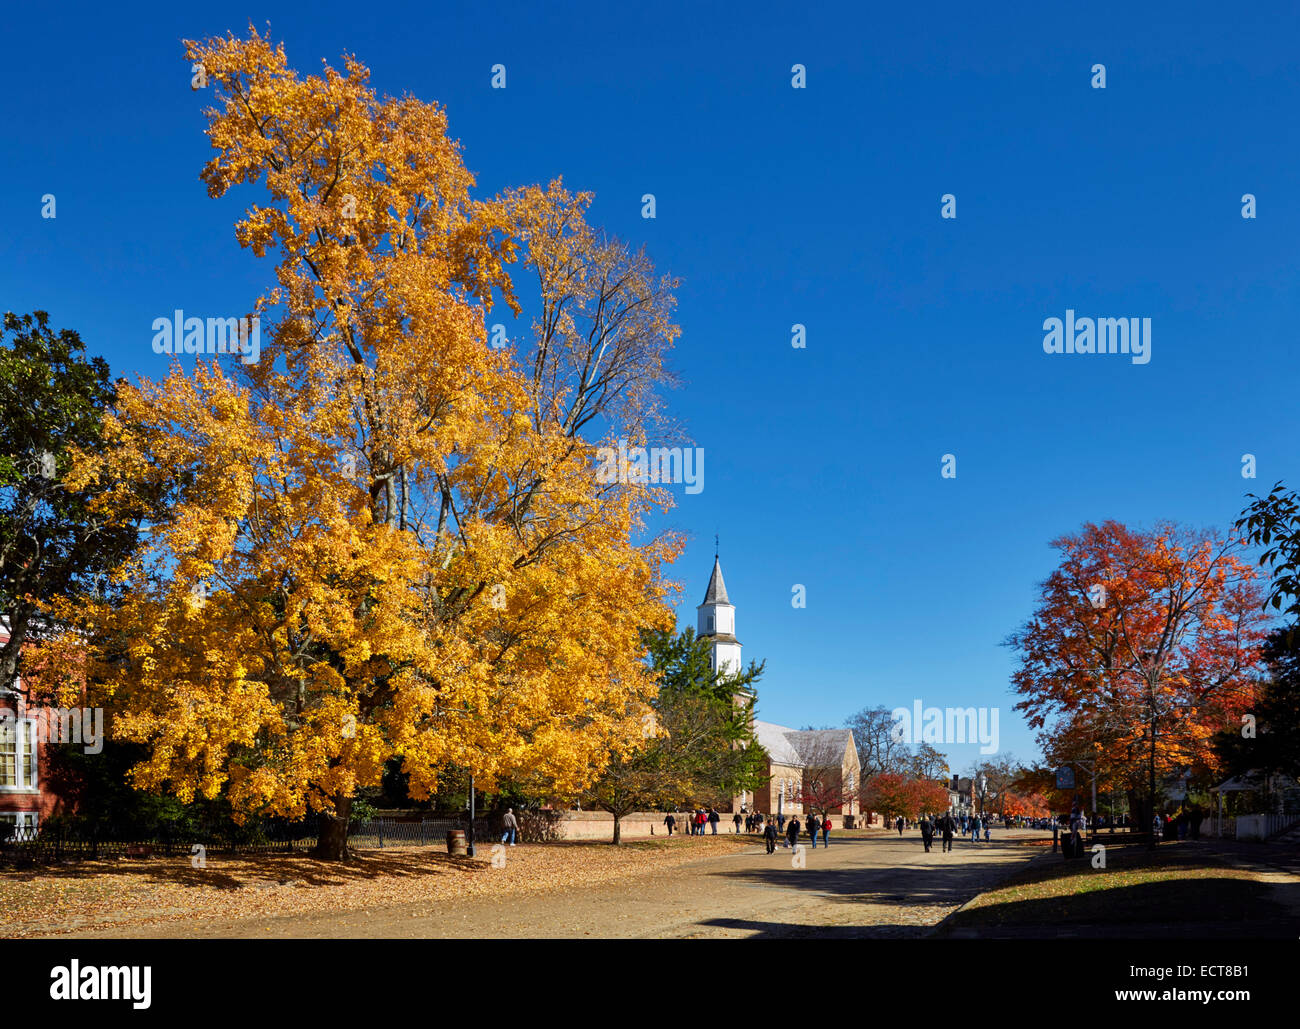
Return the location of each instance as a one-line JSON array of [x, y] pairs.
[[717, 592], [802, 748], [772, 738]]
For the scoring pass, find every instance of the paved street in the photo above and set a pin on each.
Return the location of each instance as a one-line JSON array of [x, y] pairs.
[[878, 886]]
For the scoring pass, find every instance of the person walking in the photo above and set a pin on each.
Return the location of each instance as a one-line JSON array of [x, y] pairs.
[[927, 833], [946, 827], [769, 835], [714, 819], [511, 826], [670, 821], [826, 833], [792, 832], [986, 829], [813, 824], [899, 826]]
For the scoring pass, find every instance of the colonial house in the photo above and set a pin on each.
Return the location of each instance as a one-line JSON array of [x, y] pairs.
[[961, 796], [818, 767], [24, 766]]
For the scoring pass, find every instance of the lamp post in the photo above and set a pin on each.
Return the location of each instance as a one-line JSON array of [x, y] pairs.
[[1092, 770], [470, 836]]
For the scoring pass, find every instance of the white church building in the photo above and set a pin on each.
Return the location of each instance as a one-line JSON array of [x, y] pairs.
[[818, 767]]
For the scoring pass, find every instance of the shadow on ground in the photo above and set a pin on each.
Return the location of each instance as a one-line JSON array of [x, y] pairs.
[[781, 931], [948, 881]]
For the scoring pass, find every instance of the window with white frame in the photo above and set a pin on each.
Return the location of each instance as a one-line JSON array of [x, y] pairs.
[[13, 820], [17, 754]]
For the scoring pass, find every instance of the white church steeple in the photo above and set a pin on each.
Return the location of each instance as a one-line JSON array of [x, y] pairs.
[[716, 622]]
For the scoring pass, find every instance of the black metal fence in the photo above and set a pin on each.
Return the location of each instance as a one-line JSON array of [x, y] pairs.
[[25, 845], [53, 844], [427, 832]]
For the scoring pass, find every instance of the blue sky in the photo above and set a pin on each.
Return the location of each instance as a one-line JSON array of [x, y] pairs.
[[819, 206]]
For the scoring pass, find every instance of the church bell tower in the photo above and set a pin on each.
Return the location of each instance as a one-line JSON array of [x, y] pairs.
[[716, 621]]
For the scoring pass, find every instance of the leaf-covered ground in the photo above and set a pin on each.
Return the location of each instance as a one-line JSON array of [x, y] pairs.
[[63, 899]]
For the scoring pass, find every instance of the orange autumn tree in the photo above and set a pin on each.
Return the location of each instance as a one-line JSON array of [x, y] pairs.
[[384, 539], [1017, 805], [929, 797], [1142, 647], [892, 795]]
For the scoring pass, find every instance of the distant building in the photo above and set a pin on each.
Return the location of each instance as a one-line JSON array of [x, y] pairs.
[[816, 763], [961, 795]]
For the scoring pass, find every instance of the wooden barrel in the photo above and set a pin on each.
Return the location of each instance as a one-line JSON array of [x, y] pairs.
[[456, 843]]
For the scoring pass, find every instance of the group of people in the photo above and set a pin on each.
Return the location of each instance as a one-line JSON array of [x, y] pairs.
[[813, 824], [771, 827], [946, 826], [1178, 827], [697, 820]]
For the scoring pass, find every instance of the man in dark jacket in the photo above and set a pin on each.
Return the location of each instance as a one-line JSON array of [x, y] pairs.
[[947, 827], [927, 833], [792, 831], [670, 821], [714, 819], [812, 823], [769, 834]]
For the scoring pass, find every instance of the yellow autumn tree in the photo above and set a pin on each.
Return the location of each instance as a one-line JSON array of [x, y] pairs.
[[385, 538]]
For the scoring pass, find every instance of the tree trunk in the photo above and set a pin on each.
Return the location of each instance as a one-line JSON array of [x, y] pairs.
[[618, 830], [1151, 780], [333, 842]]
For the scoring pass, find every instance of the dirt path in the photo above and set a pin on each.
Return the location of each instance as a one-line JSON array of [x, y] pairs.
[[873, 886]]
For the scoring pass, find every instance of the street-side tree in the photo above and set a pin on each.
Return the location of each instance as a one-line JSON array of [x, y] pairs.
[[386, 538], [697, 744], [52, 543], [928, 797], [1143, 646], [1273, 522], [1268, 740], [994, 778], [881, 747], [928, 763], [890, 793]]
